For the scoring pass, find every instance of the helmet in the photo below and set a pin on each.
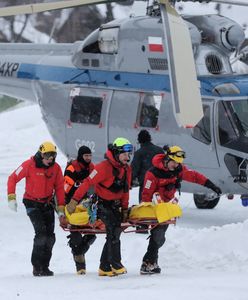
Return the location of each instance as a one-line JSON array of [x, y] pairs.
[[122, 145], [176, 153], [47, 147]]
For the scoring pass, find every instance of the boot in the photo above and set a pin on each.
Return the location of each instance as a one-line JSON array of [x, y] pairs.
[[148, 268], [47, 272], [80, 264], [105, 270], [42, 271], [119, 269], [37, 271]]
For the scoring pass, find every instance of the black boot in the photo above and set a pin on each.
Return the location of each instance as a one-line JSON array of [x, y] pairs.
[[37, 271], [47, 272], [80, 264], [148, 268]]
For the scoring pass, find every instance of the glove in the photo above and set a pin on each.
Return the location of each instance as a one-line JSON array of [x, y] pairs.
[[63, 221], [209, 184], [61, 210], [71, 206], [124, 214], [12, 202]]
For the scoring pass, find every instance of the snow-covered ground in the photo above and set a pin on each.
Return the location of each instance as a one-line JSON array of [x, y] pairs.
[[205, 256]]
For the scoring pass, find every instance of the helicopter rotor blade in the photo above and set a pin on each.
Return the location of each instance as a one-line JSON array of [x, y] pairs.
[[185, 87], [42, 7], [229, 2]]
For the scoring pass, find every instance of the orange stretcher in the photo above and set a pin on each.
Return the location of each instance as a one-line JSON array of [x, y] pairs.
[[148, 214]]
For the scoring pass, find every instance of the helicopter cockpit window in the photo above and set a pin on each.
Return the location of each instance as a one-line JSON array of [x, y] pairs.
[[91, 44], [108, 40], [232, 116], [148, 111], [201, 131], [86, 110]]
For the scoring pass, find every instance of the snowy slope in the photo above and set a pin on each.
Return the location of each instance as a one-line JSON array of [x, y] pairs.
[[199, 261]]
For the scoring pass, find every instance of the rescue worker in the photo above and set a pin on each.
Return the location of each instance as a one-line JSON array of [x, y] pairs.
[[142, 159], [111, 179], [76, 171], [164, 178], [44, 180]]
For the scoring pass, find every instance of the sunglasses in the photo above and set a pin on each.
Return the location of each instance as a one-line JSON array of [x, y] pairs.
[[49, 155], [178, 154]]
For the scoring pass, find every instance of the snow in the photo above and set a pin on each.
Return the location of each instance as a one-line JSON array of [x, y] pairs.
[[205, 255]]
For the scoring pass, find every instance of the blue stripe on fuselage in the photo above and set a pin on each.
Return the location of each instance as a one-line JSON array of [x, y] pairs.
[[128, 80], [94, 77]]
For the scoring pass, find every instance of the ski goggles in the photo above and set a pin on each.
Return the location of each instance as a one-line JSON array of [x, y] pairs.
[[126, 148], [49, 155], [180, 154]]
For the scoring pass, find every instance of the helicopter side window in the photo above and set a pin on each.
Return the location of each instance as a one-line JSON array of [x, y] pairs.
[[201, 131], [148, 110], [86, 110]]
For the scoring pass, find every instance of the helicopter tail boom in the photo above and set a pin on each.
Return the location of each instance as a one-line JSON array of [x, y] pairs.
[[14, 76]]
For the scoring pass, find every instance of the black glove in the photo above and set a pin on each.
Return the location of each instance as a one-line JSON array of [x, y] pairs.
[[209, 184]]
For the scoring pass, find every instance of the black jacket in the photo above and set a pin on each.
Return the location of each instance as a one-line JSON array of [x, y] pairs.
[[142, 160]]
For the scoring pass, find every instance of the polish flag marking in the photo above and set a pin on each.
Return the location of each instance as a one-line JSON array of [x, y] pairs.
[[155, 44]]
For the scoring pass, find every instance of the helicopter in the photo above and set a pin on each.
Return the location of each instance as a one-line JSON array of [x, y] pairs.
[[163, 72]]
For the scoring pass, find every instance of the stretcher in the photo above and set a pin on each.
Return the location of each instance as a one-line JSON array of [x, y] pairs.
[[146, 213]]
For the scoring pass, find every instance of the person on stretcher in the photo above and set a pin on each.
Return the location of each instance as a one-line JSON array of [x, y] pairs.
[[164, 178]]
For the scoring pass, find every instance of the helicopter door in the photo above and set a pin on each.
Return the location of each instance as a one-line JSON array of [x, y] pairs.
[[132, 111], [87, 120], [202, 148], [122, 115]]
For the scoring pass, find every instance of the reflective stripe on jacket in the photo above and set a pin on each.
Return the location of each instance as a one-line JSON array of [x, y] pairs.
[[102, 178], [154, 183], [41, 183], [74, 175]]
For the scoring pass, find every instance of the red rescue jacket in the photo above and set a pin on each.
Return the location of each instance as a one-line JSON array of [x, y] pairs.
[[160, 179], [41, 183], [103, 177]]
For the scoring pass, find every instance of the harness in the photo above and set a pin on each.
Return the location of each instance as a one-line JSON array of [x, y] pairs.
[[169, 174], [118, 183]]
